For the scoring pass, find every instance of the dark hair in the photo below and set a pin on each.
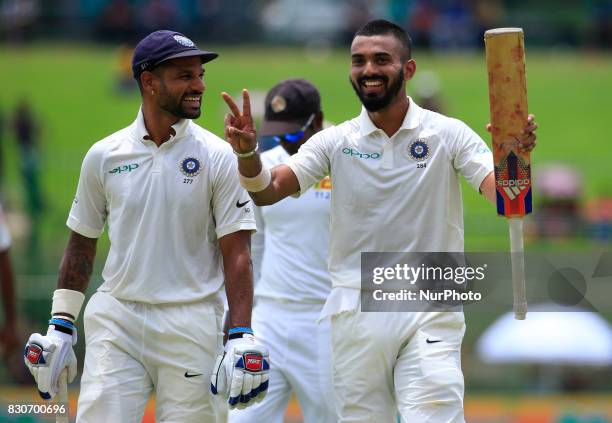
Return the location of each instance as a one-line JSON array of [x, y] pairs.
[[152, 70], [383, 27]]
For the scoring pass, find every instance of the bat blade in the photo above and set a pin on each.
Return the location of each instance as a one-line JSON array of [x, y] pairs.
[[505, 52]]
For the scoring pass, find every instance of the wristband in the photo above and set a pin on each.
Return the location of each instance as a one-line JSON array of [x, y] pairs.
[[67, 302], [240, 330], [247, 154], [62, 325], [256, 183]]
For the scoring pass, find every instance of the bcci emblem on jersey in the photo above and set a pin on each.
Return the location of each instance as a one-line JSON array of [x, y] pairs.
[[190, 166], [419, 150]]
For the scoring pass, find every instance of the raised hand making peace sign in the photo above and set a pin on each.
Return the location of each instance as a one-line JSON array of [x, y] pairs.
[[239, 127]]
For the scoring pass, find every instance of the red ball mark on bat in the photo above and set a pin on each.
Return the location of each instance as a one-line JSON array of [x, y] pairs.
[[518, 111], [516, 53]]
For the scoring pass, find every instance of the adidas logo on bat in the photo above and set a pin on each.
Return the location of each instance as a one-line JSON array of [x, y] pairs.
[[513, 187], [513, 192], [513, 182]]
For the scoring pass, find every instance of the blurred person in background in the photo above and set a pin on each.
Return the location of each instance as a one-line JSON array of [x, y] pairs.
[[19, 19], [421, 19], [116, 22], [9, 338], [290, 251], [179, 230], [2, 144], [159, 14], [396, 172], [600, 23], [598, 219], [558, 215], [427, 91], [27, 132], [124, 80]]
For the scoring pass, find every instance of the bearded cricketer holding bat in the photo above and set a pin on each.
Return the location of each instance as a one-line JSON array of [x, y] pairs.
[[395, 170]]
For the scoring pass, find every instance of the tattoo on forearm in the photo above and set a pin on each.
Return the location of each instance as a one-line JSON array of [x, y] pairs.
[[77, 263]]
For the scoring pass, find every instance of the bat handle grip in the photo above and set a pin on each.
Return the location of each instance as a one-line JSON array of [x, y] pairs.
[[62, 398], [518, 268]]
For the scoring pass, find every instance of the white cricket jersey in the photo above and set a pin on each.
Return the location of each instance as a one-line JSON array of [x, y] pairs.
[[5, 234], [290, 249], [399, 193], [166, 209]]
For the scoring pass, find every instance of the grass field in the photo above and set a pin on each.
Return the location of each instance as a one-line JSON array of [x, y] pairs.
[[71, 89]]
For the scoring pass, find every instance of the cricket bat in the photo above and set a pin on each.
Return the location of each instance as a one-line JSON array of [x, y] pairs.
[[62, 398], [505, 55]]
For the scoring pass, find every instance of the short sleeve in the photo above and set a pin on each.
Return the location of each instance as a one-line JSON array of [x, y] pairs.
[[232, 207], [312, 161], [88, 213], [472, 158]]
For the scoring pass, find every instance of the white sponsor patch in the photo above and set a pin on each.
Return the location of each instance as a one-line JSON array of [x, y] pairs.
[[184, 41]]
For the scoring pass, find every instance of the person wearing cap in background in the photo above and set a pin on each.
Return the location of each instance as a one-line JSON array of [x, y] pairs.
[[290, 269], [179, 226]]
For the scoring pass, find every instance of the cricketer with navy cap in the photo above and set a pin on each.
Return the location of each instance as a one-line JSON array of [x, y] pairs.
[[179, 226]]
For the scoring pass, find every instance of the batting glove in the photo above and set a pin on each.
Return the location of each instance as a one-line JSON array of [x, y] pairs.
[[46, 356], [241, 372]]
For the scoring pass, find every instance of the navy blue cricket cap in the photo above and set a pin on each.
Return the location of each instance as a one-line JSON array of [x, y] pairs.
[[289, 105], [162, 45]]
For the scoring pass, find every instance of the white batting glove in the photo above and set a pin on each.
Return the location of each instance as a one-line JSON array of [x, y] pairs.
[[46, 356], [241, 372]]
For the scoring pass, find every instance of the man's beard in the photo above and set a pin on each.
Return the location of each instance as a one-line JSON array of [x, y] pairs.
[[169, 104], [374, 104]]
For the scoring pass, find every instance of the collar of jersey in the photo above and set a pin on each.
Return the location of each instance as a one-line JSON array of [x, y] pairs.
[[179, 128], [411, 120]]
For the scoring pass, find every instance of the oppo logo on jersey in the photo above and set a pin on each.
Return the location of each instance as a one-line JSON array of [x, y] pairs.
[[355, 153], [513, 182], [124, 168]]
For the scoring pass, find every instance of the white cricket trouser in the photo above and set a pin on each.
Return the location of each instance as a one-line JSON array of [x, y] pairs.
[[133, 349], [300, 360], [406, 362]]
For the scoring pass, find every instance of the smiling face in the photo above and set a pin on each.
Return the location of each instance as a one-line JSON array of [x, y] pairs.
[[378, 70], [179, 86]]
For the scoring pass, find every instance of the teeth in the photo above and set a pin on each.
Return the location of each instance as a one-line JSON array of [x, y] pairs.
[[372, 83], [192, 98]]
